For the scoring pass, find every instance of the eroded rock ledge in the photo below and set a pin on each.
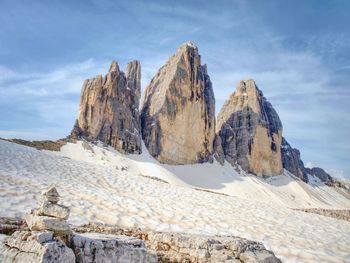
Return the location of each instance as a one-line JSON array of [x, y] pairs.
[[97, 242], [181, 247]]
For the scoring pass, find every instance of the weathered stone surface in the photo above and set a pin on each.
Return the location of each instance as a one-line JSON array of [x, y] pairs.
[[51, 195], [9, 225], [180, 247], [110, 248], [54, 210], [251, 131], [34, 247], [219, 154], [257, 256], [109, 109], [178, 114], [292, 162], [57, 225], [176, 247]]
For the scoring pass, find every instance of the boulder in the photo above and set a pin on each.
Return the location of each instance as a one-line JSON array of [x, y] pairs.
[[178, 114], [34, 247], [251, 131], [109, 109], [93, 247]]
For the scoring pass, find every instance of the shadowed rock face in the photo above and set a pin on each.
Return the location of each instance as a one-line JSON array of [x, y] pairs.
[[178, 114], [109, 109], [292, 162], [320, 173], [250, 131]]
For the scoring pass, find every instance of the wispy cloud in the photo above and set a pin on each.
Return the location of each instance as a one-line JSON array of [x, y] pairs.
[[50, 98]]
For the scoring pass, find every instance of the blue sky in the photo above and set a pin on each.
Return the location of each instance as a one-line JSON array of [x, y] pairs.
[[298, 52]]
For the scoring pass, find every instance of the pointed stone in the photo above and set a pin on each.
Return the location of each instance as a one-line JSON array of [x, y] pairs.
[[251, 131], [178, 114], [51, 195]]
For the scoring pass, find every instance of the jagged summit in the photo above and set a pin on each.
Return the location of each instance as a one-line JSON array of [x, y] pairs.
[[188, 44], [177, 120], [109, 109], [250, 131], [178, 114], [114, 66]]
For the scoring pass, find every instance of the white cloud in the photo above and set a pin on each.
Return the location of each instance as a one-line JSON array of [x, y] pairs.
[[61, 81]]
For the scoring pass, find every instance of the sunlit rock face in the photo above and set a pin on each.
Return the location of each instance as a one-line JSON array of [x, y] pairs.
[[178, 114], [250, 131], [109, 109]]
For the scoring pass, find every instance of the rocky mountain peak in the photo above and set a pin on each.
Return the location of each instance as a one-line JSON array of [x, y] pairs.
[[188, 46], [114, 66], [250, 131], [178, 114], [109, 109]]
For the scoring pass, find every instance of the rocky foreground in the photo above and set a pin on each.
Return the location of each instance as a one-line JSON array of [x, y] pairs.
[[45, 236]]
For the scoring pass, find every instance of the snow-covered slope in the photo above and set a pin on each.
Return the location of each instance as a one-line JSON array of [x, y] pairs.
[[102, 185], [283, 190]]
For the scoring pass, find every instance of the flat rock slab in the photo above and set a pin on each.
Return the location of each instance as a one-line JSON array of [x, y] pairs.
[[93, 247], [34, 247], [57, 225], [54, 210]]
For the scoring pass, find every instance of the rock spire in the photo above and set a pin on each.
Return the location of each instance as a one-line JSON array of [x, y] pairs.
[[109, 109], [250, 131], [178, 114]]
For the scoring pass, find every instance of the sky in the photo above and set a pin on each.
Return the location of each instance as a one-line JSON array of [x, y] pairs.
[[298, 52]]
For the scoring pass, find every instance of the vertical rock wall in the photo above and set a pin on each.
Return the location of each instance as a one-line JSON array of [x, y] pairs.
[[251, 131], [178, 114], [109, 109]]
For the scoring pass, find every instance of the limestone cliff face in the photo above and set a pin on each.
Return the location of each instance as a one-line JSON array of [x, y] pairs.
[[109, 109], [292, 162], [250, 131], [178, 114]]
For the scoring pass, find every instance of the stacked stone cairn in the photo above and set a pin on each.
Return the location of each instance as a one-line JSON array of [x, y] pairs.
[[50, 216], [46, 240]]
